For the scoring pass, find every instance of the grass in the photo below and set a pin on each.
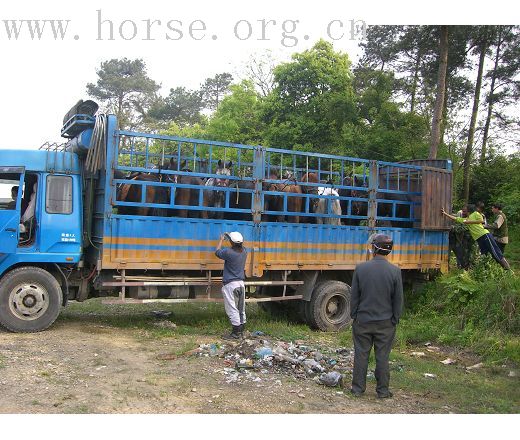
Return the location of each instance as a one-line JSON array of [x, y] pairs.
[[512, 252], [484, 391]]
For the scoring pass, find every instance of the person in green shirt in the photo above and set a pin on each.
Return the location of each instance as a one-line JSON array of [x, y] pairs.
[[485, 241]]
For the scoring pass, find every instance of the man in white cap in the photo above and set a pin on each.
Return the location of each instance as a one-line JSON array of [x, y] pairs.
[[233, 289]]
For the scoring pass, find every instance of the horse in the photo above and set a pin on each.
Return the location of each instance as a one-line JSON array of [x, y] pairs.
[[183, 196], [214, 198], [274, 202], [128, 192], [241, 198], [322, 207], [357, 208]]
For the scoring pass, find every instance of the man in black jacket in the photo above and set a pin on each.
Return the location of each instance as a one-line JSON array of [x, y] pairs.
[[376, 306]]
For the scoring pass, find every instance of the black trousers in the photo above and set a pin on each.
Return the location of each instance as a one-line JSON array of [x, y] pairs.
[[502, 247], [379, 334]]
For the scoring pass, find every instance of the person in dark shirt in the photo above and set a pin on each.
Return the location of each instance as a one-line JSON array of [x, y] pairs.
[[376, 305], [233, 289]]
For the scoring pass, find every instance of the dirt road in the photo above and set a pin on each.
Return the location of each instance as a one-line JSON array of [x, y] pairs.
[[91, 368]]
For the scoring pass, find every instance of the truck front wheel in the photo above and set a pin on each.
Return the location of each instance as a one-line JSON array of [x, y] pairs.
[[329, 307], [30, 300]]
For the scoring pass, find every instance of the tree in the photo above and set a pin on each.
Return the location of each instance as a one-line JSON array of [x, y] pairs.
[[238, 117], [259, 70], [381, 46], [123, 87], [481, 48], [214, 89], [313, 98], [383, 131], [181, 106], [504, 85], [441, 90]]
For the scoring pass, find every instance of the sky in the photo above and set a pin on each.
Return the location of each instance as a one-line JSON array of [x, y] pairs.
[[42, 78]]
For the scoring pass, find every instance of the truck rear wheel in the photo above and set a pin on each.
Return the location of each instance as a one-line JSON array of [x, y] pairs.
[[329, 307], [30, 300]]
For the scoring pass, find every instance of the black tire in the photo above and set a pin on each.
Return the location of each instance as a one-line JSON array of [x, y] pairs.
[[329, 307], [30, 300]]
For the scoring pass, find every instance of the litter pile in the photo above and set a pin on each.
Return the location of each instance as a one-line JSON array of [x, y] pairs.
[[257, 357]]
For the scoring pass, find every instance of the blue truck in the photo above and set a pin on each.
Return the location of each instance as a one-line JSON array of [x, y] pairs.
[[135, 217]]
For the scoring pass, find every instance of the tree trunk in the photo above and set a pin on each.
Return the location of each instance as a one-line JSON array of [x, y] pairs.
[[444, 120], [439, 100], [472, 124], [491, 99], [415, 81]]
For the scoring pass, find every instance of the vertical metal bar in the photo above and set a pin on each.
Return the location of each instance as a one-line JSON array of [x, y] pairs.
[[132, 146], [319, 169], [210, 158], [398, 177], [122, 294], [194, 157], [179, 156], [258, 176], [372, 194], [162, 156], [144, 190], [146, 153]]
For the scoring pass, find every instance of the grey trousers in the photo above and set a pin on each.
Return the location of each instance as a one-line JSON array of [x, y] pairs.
[[234, 302], [379, 334]]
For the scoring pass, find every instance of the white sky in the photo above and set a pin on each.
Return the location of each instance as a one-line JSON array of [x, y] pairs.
[[42, 79]]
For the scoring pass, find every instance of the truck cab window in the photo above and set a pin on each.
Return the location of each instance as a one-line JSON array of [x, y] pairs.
[[58, 198], [9, 187]]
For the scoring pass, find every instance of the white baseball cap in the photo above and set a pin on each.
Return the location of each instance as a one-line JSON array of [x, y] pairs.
[[236, 237]]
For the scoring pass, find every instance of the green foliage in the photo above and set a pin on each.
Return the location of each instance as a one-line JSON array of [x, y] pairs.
[[214, 89], [312, 99], [181, 105], [238, 117], [468, 308]]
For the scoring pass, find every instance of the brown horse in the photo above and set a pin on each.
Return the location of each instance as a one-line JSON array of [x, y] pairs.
[[313, 203], [357, 207], [184, 196], [214, 198], [274, 202], [128, 192]]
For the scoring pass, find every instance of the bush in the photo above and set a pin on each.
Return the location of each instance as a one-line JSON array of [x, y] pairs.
[[477, 309]]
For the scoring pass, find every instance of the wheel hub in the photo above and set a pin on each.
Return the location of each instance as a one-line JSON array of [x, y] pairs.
[[332, 307], [335, 308], [28, 301]]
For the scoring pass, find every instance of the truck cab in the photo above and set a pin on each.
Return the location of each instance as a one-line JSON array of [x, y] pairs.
[[40, 224]]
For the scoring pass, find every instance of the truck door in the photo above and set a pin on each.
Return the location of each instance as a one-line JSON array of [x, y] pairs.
[[11, 184]]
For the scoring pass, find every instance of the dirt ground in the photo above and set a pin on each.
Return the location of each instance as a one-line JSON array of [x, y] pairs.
[[91, 368]]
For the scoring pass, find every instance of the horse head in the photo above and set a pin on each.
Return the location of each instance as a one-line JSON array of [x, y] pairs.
[[223, 169]]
